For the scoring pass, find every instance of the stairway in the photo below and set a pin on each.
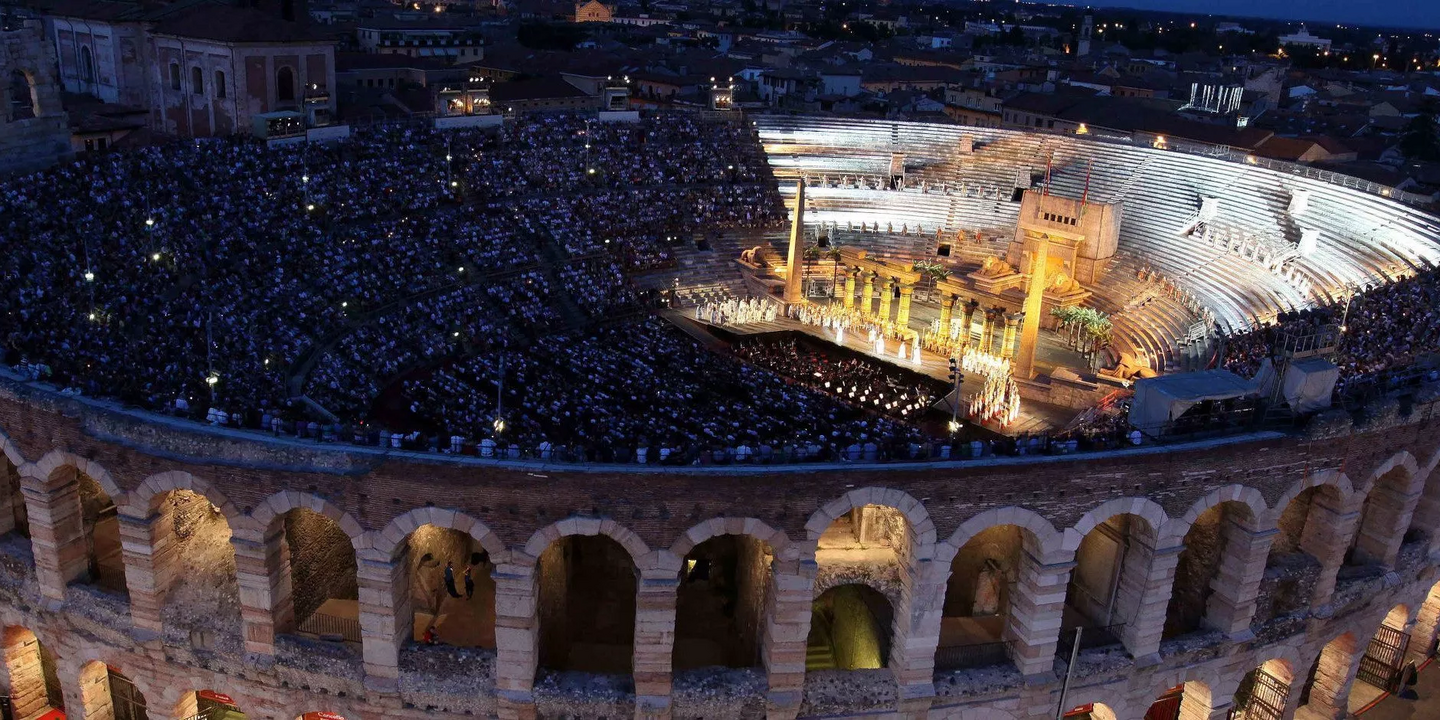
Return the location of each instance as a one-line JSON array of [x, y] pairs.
[[819, 651]]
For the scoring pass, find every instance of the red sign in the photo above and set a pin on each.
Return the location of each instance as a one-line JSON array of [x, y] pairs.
[[53, 715], [322, 715], [213, 696]]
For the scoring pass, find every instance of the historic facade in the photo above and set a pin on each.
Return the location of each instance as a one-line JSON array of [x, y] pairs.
[[34, 131], [1199, 572]]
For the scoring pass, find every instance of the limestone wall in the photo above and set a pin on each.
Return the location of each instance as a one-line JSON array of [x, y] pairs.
[[41, 136]]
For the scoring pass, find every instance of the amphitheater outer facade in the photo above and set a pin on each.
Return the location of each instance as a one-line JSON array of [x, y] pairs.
[[516, 511]]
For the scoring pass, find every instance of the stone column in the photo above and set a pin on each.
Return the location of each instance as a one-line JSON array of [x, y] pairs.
[[795, 257], [517, 640], [787, 628], [387, 618], [1427, 623], [987, 332], [10, 496], [262, 569], [1034, 303], [654, 641], [969, 323], [1147, 577], [188, 706], [1385, 521], [1334, 678], [1036, 607], [1236, 586], [147, 546], [95, 700], [21, 672], [902, 317], [915, 651], [1327, 534], [1007, 345], [887, 301], [866, 293], [849, 290], [947, 312], [57, 533]]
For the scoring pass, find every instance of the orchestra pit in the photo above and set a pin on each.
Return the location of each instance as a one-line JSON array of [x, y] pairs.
[[708, 415]]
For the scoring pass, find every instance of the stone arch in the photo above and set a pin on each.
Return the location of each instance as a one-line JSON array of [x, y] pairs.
[[1143, 508], [272, 510], [1402, 460], [44, 469], [1241, 495], [849, 627], [1332, 673], [11, 450], [99, 693], [389, 540], [285, 84], [1104, 706], [140, 501], [30, 677], [1046, 536], [543, 537], [778, 541], [913, 510], [21, 99], [1332, 478], [1288, 656]]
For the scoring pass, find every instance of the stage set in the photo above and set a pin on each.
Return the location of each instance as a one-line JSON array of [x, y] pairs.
[[1014, 322]]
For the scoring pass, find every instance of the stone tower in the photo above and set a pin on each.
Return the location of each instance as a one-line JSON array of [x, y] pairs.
[[34, 130], [1082, 48]]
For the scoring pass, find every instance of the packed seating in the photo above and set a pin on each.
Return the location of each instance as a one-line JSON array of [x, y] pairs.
[[879, 387]]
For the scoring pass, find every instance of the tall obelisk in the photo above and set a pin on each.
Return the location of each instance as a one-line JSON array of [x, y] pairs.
[[795, 258], [1034, 302]]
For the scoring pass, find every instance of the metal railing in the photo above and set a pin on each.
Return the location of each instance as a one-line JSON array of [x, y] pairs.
[[978, 655], [1091, 638], [332, 627]]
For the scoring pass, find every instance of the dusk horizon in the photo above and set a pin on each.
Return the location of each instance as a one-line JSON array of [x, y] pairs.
[[1412, 15]]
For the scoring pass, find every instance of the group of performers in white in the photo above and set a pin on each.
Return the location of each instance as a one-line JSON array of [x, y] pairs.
[[736, 311]]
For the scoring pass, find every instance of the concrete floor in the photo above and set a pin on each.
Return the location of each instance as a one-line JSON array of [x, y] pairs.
[[1425, 707]]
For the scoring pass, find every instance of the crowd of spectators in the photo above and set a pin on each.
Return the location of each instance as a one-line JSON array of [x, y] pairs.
[[1386, 329], [878, 387], [196, 273]]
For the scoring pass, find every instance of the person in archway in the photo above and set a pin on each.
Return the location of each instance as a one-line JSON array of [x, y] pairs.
[[450, 579], [469, 584]]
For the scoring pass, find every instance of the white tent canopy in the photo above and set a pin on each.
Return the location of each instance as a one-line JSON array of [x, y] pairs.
[[1159, 400]]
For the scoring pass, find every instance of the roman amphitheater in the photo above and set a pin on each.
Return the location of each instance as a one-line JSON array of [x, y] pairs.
[[164, 562]]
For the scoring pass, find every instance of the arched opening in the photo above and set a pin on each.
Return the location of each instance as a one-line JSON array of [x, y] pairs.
[[34, 684], [107, 694], [285, 84], [1189, 699], [324, 590], [174, 76], [1197, 571], [1427, 626], [874, 541], [1327, 688], [720, 604], [976, 612], [1107, 585], [14, 517], [1382, 659], [100, 528], [220, 84], [197, 81], [850, 629], [193, 566], [452, 591], [1384, 520], [23, 105], [1306, 534], [587, 605], [207, 705], [87, 64], [1091, 711], [1264, 692]]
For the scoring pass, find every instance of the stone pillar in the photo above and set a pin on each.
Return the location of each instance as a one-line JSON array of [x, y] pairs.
[[95, 700], [787, 628], [1036, 607], [147, 546], [517, 640], [795, 258], [262, 569], [849, 290], [1147, 577], [1201, 708], [1384, 523], [1427, 624], [188, 706], [10, 496], [987, 332], [1327, 534], [1334, 677], [22, 673], [902, 317], [969, 323], [866, 293], [1034, 304], [947, 312], [887, 301], [387, 618], [915, 651], [1236, 586], [654, 641], [1007, 345], [57, 533]]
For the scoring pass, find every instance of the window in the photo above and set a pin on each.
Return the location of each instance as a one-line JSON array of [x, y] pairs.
[[285, 84], [87, 64], [197, 81], [22, 96], [174, 76], [219, 83]]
